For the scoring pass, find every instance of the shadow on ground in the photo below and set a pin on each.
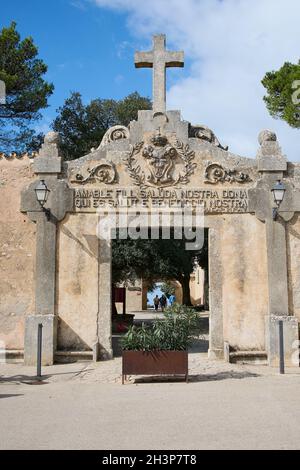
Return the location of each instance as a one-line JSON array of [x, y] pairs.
[[33, 379], [197, 377], [10, 395], [231, 374], [22, 379]]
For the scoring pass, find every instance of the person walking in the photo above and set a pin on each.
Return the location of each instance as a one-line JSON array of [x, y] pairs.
[[172, 299], [156, 302], [163, 302]]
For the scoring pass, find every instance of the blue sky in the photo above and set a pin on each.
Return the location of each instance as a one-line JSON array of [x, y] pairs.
[[229, 46], [87, 49], [151, 295]]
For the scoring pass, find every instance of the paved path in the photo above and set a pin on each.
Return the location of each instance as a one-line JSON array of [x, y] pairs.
[[84, 406]]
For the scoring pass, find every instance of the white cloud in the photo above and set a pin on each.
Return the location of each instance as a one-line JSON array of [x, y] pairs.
[[231, 45], [79, 4]]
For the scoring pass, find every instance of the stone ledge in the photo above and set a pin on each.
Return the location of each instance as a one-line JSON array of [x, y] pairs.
[[13, 355], [248, 353], [66, 356], [248, 357]]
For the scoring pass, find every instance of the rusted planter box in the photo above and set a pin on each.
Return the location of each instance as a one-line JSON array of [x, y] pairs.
[[154, 363]]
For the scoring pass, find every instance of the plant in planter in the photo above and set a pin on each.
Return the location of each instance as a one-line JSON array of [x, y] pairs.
[[160, 348]]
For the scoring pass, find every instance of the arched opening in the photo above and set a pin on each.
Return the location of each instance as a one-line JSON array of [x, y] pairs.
[[154, 275]]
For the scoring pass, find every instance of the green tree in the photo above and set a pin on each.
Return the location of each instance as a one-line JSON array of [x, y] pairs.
[[283, 93], [82, 127], [154, 259], [26, 90], [168, 289]]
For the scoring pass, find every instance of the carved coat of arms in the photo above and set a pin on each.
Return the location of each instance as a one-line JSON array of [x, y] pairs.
[[160, 163]]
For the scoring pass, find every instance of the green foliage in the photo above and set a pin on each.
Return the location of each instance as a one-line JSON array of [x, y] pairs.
[[82, 127], [26, 90], [168, 289], [281, 87], [151, 259], [155, 260], [174, 332]]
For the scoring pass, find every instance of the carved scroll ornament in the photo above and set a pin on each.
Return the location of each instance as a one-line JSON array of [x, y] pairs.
[[104, 172], [114, 134], [216, 173]]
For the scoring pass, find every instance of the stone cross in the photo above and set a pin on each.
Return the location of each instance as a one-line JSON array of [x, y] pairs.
[[158, 59]]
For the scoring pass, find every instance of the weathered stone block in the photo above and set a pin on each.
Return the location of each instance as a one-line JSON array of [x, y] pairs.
[[271, 163], [216, 354], [270, 157], [49, 323], [290, 340], [45, 165]]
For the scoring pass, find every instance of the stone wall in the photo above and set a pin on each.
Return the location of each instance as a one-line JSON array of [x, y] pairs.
[[17, 252], [244, 281], [77, 282], [134, 298]]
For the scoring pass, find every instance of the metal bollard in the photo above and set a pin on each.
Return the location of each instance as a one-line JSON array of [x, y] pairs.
[[281, 347], [39, 350]]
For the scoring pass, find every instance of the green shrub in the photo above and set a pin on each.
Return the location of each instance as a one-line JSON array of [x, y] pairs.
[[174, 332]]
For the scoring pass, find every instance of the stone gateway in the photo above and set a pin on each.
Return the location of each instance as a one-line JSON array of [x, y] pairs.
[[56, 269]]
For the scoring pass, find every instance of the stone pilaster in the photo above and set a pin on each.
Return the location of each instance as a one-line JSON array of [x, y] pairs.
[[103, 346], [277, 267], [272, 165], [48, 167], [216, 341]]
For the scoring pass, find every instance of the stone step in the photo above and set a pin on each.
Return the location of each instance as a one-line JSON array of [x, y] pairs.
[[248, 357], [13, 355], [72, 356]]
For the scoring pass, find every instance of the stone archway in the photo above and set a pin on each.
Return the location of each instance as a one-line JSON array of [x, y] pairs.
[[103, 348], [162, 159]]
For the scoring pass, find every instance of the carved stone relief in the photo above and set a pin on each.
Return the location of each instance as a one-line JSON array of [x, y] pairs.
[[154, 163], [204, 133], [215, 173], [105, 172], [114, 134]]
